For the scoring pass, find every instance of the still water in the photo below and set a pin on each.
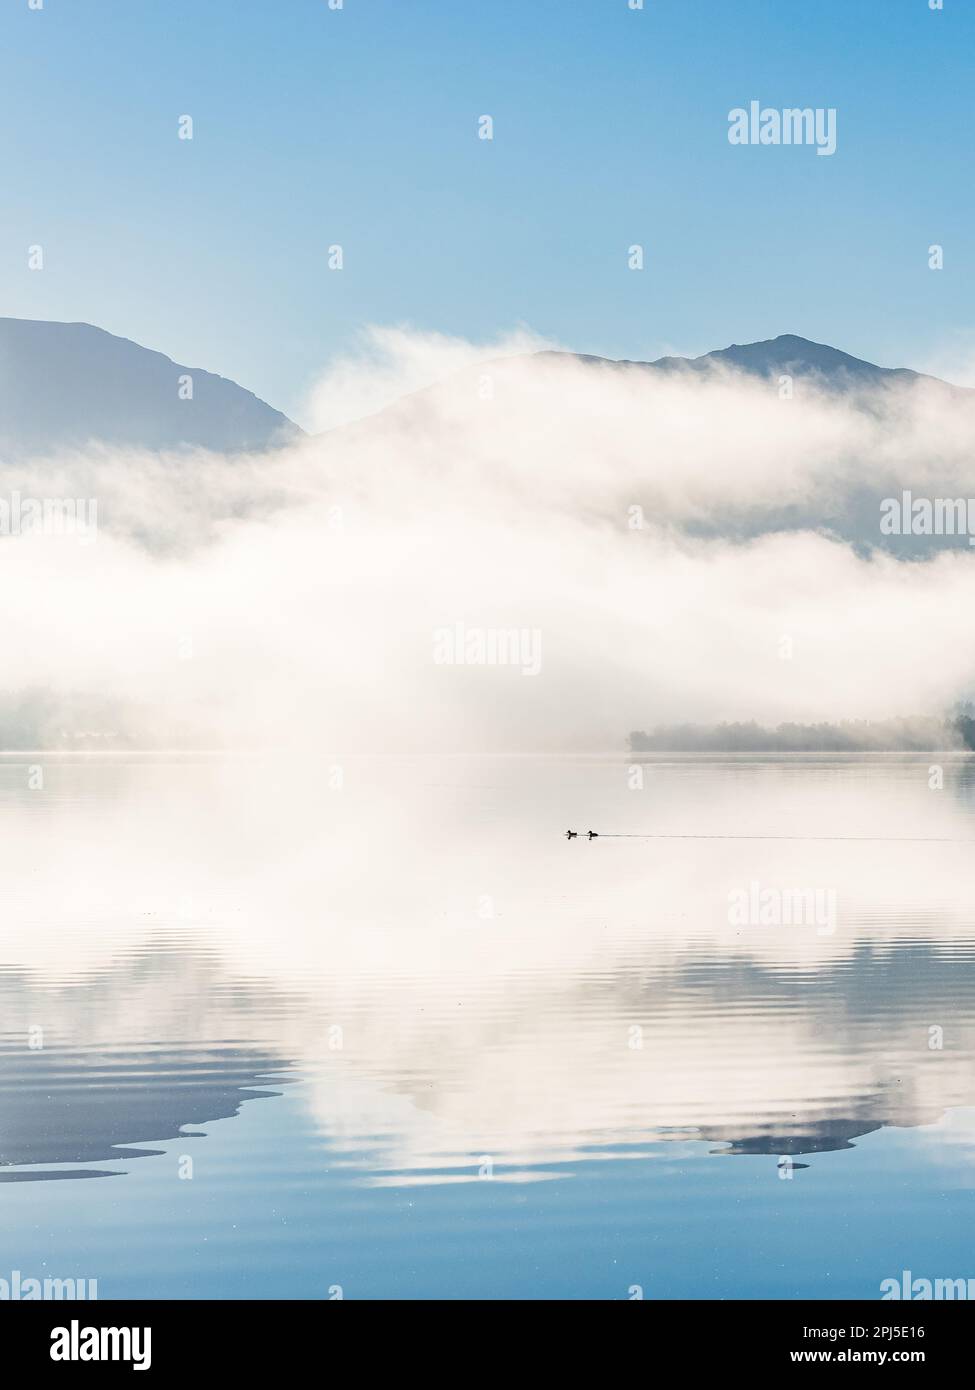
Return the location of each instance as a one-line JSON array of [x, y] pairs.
[[274, 1027]]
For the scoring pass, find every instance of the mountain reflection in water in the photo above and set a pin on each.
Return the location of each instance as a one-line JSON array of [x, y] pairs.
[[459, 981]]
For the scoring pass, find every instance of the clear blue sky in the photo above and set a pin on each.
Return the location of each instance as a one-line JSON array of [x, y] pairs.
[[358, 126]]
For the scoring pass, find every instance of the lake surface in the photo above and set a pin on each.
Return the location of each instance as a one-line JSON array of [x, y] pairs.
[[274, 1027]]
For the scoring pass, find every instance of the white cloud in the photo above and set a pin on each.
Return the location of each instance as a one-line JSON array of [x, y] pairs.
[[309, 583]]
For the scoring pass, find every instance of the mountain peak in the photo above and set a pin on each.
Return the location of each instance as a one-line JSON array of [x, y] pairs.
[[795, 356], [788, 354], [63, 385]]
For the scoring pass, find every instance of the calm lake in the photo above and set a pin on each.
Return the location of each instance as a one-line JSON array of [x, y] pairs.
[[278, 1027]]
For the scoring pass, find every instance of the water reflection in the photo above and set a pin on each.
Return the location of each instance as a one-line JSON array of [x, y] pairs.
[[90, 1084], [454, 984]]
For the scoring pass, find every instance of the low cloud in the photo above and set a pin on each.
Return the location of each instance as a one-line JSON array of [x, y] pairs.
[[662, 534]]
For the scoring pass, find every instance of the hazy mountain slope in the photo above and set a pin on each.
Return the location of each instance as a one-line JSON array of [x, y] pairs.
[[787, 355], [64, 384], [794, 356], [860, 434]]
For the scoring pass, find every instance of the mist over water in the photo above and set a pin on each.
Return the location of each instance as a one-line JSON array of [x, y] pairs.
[[659, 539], [376, 1009], [330, 1000]]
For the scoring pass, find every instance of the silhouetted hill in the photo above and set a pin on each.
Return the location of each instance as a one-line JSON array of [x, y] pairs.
[[787, 355], [66, 384]]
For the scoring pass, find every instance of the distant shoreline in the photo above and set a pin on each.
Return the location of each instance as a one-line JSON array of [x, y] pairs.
[[954, 734]]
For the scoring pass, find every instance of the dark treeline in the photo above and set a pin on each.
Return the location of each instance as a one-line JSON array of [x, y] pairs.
[[954, 733]]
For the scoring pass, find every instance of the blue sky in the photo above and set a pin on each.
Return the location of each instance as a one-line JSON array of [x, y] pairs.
[[359, 126]]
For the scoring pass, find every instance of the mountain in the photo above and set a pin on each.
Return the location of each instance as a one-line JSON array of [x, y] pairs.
[[787, 355], [793, 356], [847, 506], [66, 384]]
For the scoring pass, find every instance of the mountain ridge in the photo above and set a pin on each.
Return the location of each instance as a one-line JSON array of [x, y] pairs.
[[70, 384], [787, 353], [66, 385]]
